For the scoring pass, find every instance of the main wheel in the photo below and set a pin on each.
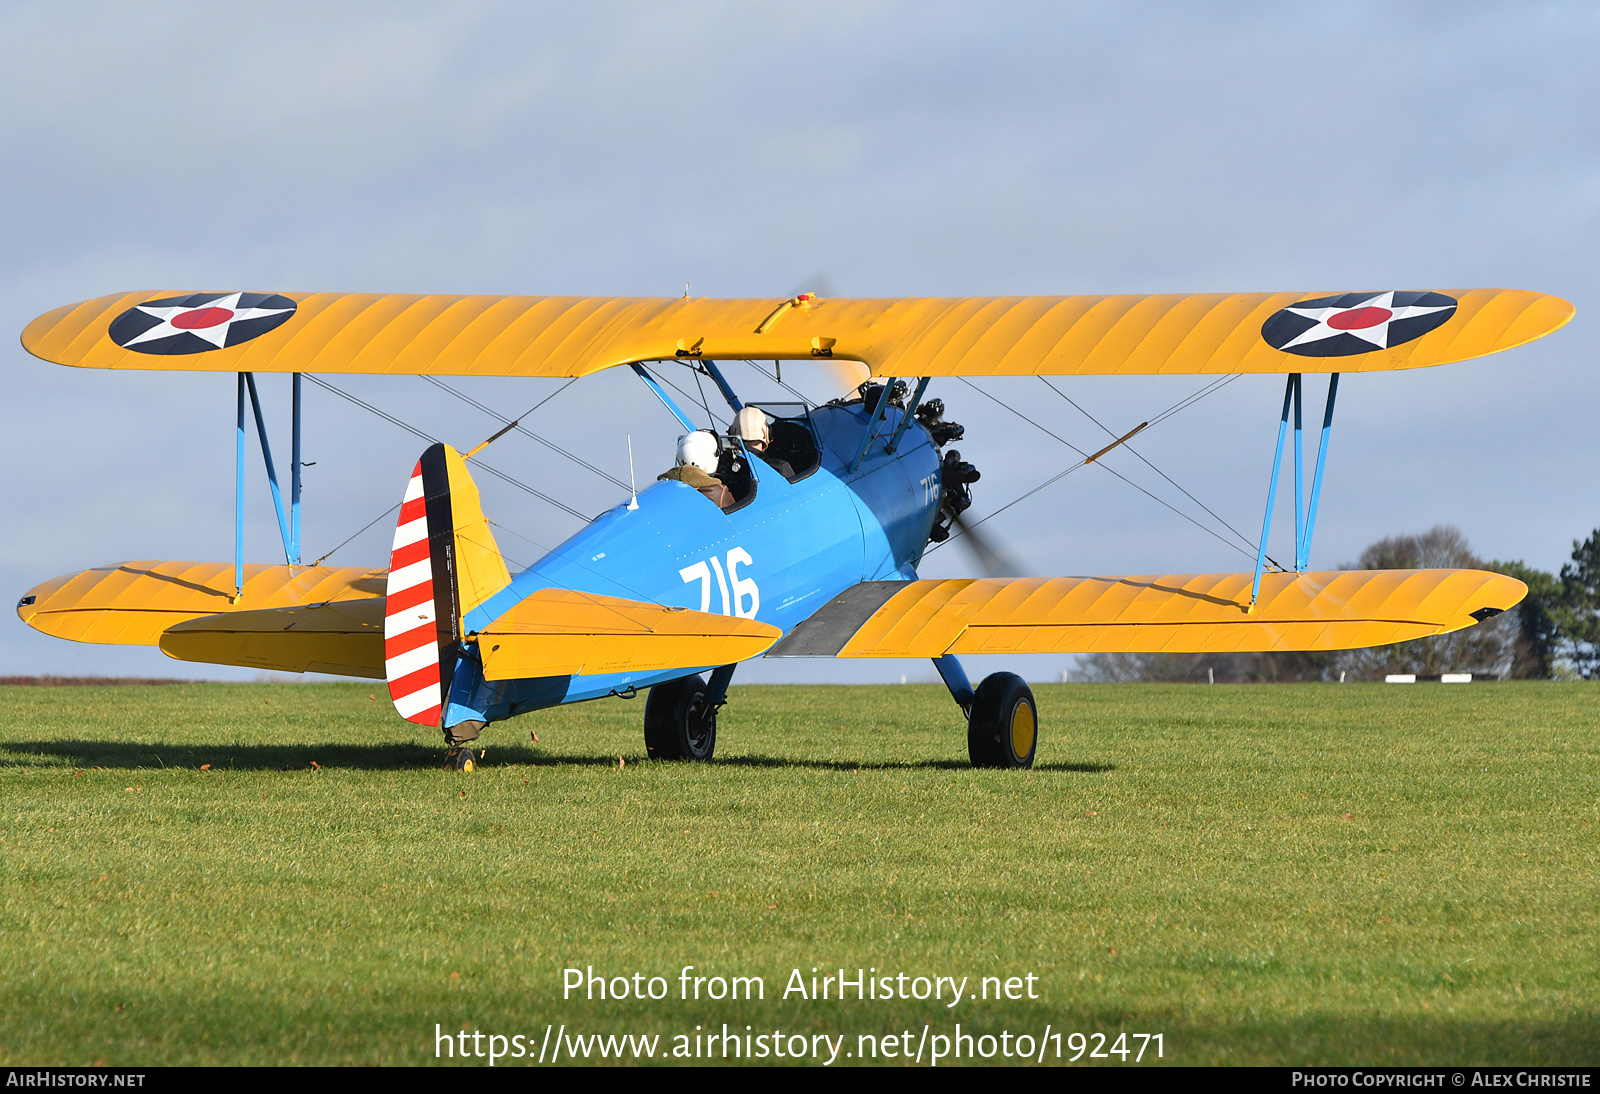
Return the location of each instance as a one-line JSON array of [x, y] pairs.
[[1003, 729], [677, 723]]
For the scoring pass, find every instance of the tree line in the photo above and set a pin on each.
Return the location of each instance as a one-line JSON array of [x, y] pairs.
[[1554, 634]]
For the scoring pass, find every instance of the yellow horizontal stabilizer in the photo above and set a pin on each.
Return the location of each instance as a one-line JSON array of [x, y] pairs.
[[931, 336], [344, 638], [556, 632], [1178, 613], [134, 603]]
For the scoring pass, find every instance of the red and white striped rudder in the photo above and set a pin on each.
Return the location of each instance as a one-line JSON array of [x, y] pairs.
[[419, 641]]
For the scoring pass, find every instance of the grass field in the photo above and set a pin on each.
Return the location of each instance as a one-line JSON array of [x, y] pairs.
[[1276, 874]]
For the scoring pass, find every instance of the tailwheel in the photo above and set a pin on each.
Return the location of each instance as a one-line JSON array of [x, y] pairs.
[[678, 722], [1003, 728], [460, 759]]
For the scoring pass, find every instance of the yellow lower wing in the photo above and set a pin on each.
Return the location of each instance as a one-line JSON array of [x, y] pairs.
[[313, 619], [558, 633], [1179, 613]]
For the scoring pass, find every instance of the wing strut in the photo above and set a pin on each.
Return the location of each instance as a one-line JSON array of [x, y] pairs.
[[294, 477], [1305, 519], [288, 523], [1304, 555], [722, 385], [238, 499], [666, 400]]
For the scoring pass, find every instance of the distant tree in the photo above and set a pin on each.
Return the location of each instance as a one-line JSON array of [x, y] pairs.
[[1489, 648], [1198, 668], [1538, 647], [1554, 631], [1578, 614], [1125, 668], [1494, 647]]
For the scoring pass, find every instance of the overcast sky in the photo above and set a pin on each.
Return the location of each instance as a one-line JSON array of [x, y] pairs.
[[863, 149]]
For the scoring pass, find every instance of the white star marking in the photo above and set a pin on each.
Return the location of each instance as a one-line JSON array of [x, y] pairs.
[[217, 335], [1377, 334]]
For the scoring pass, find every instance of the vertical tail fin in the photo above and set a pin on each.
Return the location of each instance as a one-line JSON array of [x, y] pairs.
[[444, 563]]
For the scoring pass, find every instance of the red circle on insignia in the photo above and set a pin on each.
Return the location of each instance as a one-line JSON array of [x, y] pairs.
[[203, 318], [1354, 319]]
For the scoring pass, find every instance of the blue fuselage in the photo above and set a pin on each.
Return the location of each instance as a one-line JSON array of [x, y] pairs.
[[777, 559]]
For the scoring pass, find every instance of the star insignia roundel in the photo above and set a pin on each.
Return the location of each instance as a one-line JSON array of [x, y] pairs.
[[1357, 322], [199, 322]]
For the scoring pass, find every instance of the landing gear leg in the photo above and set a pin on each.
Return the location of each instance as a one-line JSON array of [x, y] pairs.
[[955, 678], [456, 739]]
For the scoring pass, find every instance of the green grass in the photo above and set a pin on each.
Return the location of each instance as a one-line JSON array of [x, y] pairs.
[[1277, 874]]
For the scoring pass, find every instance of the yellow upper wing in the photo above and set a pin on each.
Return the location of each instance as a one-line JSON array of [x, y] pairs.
[[1178, 613], [574, 336]]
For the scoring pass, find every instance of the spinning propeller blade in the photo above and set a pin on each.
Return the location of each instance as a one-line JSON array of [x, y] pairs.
[[993, 561]]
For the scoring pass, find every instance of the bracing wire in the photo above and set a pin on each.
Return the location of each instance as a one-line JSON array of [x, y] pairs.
[[780, 382], [1185, 403], [1214, 386], [515, 424], [687, 397], [701, 388], [496, 472], [364, 527], [1081, 463]]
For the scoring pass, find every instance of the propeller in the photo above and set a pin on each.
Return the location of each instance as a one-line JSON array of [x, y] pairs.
[[992, 559]]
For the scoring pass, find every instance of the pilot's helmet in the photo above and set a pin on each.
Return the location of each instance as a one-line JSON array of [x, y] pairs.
[[751, 425], [698, 449]]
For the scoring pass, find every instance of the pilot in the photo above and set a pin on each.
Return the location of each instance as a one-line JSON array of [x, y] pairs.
[[697, 467], [750, 426]]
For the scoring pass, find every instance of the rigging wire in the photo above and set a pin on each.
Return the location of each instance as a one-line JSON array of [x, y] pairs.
[[702, 389], [1184, 404], [1081, 463], [515, 424], [686, 397], [780, 382], [364, 527], [496, 472], [433, 440], [1165, 414]]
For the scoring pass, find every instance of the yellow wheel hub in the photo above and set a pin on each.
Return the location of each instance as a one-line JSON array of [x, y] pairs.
[[1021, 730]]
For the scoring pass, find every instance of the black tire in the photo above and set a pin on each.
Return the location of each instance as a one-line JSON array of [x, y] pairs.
[[677, 725], [1003, 729]]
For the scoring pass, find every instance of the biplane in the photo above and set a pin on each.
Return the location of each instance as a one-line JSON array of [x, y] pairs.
[[814, 551]]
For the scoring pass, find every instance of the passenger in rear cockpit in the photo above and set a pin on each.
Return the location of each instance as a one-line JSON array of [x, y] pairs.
[[750, 426], [697, 467]]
